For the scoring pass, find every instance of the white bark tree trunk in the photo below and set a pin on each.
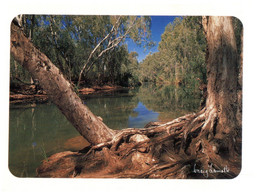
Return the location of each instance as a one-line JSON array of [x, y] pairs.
[[58, 88]]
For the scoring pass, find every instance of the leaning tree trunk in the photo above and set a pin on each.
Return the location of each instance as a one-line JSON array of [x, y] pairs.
[[58, 88]]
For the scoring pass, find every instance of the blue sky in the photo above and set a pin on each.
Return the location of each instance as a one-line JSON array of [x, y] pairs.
[[158, 26]]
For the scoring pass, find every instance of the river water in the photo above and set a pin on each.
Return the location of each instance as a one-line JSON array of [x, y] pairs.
[[37, 131]]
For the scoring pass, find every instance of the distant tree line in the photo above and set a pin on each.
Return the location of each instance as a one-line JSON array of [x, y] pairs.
[[181, 56], [88, 49], [92, 50], [180, 59]]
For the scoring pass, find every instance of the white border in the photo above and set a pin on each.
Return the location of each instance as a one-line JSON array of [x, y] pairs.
[[243, 9]]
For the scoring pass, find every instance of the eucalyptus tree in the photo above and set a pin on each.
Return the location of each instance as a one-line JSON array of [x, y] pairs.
[[119, 28], [181, 55], [86, 47]]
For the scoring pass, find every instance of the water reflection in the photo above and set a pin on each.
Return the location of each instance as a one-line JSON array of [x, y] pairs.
[[38, 131], [170, 102], [34, 134], [114, 108], [141, 116]]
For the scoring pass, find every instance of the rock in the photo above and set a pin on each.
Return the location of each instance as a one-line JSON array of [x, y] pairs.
[[137, 138]]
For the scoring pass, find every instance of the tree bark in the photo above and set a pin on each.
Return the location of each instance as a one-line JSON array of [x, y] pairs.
[[222, 102], [58, 88]]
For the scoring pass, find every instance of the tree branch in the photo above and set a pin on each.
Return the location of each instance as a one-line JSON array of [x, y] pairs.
[[113, 44], [94, 50]]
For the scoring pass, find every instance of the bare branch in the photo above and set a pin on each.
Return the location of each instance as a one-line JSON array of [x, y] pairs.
[[112, 44], [96, 47]]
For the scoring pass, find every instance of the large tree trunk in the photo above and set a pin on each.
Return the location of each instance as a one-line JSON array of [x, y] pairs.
[[222, 73], [58, 88]]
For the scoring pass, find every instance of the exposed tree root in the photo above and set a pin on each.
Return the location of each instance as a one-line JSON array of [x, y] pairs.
[[177, 149]]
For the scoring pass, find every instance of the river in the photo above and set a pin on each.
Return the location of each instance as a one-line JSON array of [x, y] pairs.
[[37, 131]]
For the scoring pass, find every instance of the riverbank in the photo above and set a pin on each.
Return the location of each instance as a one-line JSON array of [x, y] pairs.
[[39, 130], [28, 94], [99, 89]]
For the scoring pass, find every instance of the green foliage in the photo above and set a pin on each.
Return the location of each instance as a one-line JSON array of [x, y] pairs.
[[181, 56], [43, 152], [69, 40], [17, 71]]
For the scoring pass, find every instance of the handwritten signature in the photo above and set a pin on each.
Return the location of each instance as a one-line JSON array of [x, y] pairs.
[[210, 170]]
